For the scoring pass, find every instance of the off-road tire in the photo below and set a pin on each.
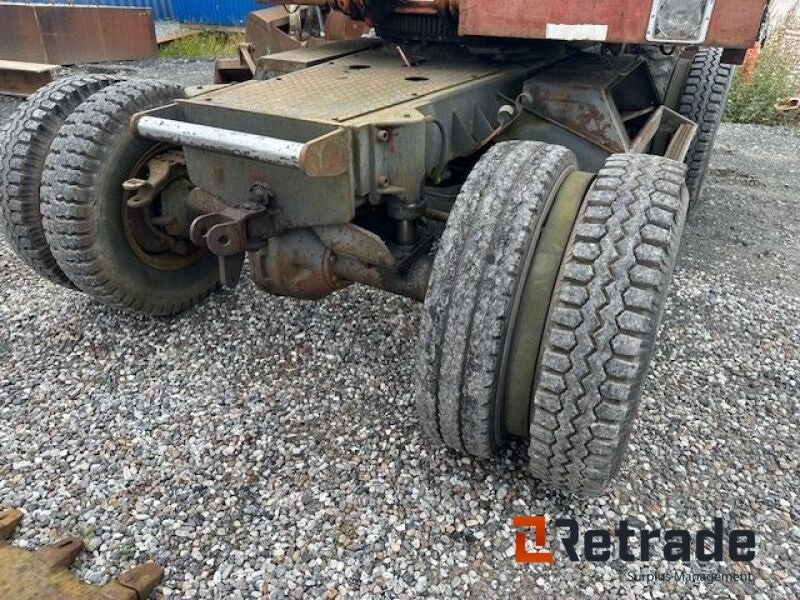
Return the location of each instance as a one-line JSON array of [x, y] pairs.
[[703, 100], [82, 198], [26, 140], [603, 320], [483, 257]]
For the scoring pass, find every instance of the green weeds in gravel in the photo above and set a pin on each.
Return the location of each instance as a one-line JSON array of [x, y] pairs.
[[126, 551], [753, 100], [204, 45]]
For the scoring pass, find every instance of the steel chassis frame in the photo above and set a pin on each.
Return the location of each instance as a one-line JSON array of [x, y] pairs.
[[320, 174]]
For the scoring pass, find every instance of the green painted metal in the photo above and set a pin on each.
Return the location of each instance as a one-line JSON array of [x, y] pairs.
[[534, 302]]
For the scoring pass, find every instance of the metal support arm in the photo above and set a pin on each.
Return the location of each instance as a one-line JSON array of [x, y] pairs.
[[235, 143]]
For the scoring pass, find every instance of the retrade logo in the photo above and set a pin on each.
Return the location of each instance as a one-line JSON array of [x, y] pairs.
[[600, 545], [539, 526]]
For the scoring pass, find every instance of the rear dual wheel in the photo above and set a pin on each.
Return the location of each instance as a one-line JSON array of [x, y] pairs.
[[125, 257], [66, 153], [702, 99], [698, 90], [26, 141], [477, 280], [541, 324]]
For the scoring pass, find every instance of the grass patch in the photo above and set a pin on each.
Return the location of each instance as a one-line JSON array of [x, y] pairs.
[[204, 45], [753, 100]]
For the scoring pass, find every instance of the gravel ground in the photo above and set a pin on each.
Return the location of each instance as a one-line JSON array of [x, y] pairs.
[[267, 447]]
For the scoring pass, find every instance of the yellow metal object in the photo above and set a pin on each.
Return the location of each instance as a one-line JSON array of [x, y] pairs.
[[43, 575]]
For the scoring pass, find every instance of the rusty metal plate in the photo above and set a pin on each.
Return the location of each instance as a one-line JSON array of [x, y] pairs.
[[43, 574], [73, 34], [579, 94], [338, 26], [268, 31], [289, 61], [23, 78], [347, 88], [734, 23]]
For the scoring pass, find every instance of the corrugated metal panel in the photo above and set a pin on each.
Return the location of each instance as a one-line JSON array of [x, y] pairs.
[[162, 9], [213, 12], [207, 12]]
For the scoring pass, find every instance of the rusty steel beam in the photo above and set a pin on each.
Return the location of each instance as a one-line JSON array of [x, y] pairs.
[[65, 35]]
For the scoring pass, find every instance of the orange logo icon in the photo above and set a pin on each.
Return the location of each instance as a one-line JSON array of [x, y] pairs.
[[539, 525]]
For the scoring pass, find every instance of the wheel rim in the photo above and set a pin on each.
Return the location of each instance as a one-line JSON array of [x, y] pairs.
[[533, 302], [154, 230]]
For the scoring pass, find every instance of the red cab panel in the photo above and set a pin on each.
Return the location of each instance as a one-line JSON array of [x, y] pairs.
[[734, 23]]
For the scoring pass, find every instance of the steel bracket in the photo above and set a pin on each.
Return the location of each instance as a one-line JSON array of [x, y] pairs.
[[163, 170], [235, 230]]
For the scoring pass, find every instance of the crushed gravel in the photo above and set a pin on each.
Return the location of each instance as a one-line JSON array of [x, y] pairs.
[[265, 447]]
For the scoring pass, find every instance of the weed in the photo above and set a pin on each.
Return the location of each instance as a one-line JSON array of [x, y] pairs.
[[204, 45], [753, 100]]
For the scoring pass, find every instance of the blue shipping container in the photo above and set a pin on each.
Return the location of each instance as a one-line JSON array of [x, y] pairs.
[[213, 12], [205, 12]]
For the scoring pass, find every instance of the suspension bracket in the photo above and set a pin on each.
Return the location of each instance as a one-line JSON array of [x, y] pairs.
[[235, 230]]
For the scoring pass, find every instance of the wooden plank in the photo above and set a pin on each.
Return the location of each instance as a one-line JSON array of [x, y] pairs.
[[23, 78]]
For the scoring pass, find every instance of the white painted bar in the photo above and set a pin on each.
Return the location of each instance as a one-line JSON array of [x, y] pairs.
[[235, 143]]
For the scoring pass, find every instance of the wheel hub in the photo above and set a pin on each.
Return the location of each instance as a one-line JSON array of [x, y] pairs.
[[155, 213]]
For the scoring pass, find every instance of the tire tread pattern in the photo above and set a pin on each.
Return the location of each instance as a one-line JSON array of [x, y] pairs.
[[26, 140], [703, 100], [475, 278], [603, 321]]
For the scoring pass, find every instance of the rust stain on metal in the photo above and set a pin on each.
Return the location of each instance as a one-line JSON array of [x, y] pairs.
[[338, 26], [297, 265], [41, 574], [734, 24], [61, 554], [65, 35], [267, 30], [356, 242], [327, 156], [162, 169], [9, 519]]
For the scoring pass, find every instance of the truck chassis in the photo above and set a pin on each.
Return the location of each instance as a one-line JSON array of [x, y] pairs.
[[530, 192]]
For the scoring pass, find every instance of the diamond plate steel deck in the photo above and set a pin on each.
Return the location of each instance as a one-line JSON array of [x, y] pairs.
[[347, 88]]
